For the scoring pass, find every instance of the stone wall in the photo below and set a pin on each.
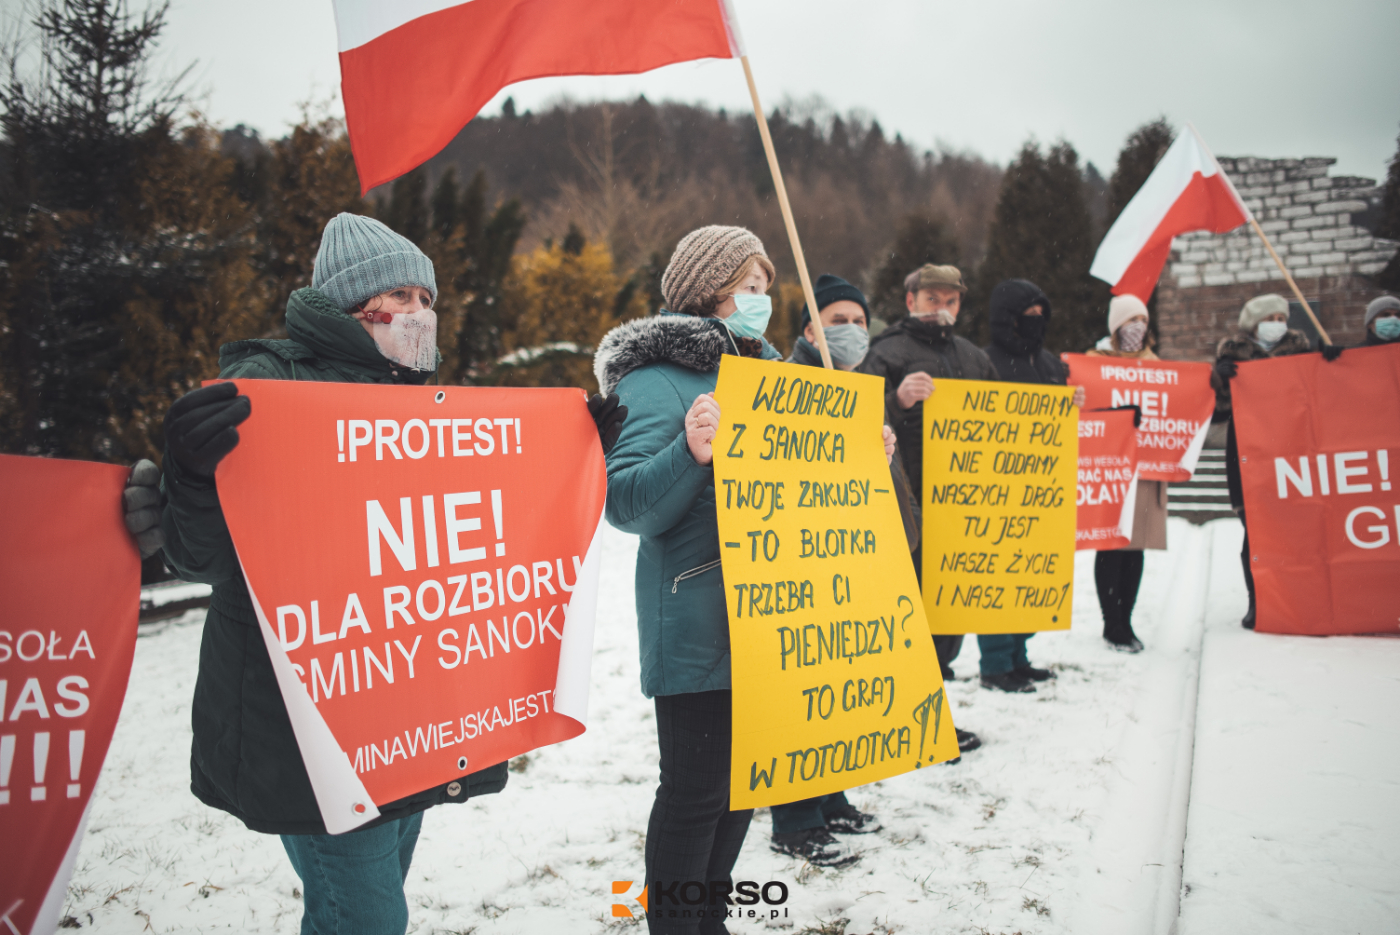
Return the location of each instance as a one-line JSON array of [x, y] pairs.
[[1310, 218]]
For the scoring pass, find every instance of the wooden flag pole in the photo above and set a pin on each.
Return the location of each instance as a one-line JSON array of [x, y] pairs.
[[1291, 284], [797, 256]]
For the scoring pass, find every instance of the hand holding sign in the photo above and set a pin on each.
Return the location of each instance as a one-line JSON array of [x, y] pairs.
[[835, 679]]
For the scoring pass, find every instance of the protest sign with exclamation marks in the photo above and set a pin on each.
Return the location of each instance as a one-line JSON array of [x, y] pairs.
[[77, 740], [7, 760]]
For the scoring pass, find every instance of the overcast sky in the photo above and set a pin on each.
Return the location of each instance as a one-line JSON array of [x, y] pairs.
[[1269, 78]]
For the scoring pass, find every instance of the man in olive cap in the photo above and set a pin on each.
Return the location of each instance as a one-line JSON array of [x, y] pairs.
[[909, 355]]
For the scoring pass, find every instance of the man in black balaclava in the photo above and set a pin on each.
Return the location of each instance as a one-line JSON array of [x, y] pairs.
[[1019, 313]]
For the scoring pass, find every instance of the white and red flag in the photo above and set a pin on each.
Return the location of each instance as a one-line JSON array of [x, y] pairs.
[[1186, 192], [414, 72]]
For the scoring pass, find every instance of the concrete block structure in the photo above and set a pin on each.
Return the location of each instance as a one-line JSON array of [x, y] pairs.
[[1316, 222]]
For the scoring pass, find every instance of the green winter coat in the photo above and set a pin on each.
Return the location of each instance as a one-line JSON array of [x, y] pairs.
[[658, 366], [244, 758]]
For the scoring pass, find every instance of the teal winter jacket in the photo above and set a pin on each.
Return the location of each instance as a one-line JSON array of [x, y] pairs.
[[658, 366]]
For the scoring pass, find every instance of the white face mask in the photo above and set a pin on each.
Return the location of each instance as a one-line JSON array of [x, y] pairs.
[[408, 339], [941, 317], [1270, 332]]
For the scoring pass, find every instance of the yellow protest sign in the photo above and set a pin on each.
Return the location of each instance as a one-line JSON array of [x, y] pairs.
[[999, 506], [835, 679]]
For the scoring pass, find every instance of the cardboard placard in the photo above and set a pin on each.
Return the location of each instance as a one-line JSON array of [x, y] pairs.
[[1000, 461], [424, 566], [1176, 400], [70, 595], [835, 679], [1108, 474], [1321, 477]]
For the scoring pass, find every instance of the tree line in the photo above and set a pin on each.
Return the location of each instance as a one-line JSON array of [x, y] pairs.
[[136, 238]]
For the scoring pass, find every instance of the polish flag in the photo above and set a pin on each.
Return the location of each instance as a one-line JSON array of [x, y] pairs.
[[1186, 192], [414, 72]]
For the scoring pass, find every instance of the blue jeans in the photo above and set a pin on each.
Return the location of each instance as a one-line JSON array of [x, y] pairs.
[[353, 882], [1003, 652], [806, 814]]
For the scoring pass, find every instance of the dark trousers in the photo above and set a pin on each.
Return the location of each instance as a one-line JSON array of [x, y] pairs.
[[946, 647], [1118, 574], [1244, 561], [692, 834]]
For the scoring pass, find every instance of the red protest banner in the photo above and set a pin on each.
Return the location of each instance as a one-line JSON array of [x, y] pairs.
[[1107, 486], [424, 566], [1321, 501], [1176, 402], [70, 592]]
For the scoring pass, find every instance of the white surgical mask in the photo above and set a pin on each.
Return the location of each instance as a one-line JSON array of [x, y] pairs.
[[1270, 332], [941, 317], [408, 339]]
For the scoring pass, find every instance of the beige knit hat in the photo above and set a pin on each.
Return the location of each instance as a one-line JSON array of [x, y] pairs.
[[1259, 308], [1123, 309], [703, 262]]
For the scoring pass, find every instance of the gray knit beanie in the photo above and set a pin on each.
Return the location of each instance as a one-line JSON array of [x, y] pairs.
[[1380, 305], [359, 258], [704, 260], [1259, 308]]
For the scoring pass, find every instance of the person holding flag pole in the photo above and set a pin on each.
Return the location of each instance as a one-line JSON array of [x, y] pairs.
[[464, 52], [1188, 191]]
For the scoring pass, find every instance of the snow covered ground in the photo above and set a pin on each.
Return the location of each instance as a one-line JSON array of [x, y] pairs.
[[1069, 819]]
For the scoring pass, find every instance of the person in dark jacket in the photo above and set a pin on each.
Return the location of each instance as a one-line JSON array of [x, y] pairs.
[[366, 319], [1382, 321], [661, 487], [807, 828], [1019, 312], [908, 356], [1263, 333]]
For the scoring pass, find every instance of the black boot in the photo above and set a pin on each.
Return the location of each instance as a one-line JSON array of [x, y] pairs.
[[1248, 621]]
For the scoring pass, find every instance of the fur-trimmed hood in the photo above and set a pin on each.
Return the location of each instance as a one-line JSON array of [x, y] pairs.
[[1242, 346], [666, 338]]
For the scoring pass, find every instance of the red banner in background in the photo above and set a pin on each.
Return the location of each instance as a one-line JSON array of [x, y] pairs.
[[70, 592], [1176, 402], [1319, 450], [424, 566], [1107, 487]]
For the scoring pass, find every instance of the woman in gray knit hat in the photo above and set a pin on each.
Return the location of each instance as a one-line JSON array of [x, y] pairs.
[[366, 319], [661, 487]]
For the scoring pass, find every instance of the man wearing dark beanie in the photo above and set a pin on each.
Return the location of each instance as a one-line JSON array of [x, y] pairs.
[[845, 317]]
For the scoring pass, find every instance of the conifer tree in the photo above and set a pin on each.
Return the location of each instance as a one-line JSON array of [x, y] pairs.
[[922, 238], [1138, 157], [1041, 232], [1389, 222]]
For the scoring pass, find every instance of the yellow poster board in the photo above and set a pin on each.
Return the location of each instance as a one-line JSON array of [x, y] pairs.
[[835, 680], [1000, 462]]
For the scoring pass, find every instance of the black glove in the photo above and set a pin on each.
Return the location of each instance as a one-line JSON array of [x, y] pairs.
[[1331, 352], [199, 428], [141, 508], [1226, 369], [608, 414]]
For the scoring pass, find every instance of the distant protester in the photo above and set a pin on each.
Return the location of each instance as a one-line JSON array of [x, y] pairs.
[[1118, 572], [1263, 333], [663, 368], [1019, 313], [367, 318], [1382, 321], [908, 355]]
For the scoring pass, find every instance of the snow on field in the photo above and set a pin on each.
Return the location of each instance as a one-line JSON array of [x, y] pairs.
[[1068, 808]]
